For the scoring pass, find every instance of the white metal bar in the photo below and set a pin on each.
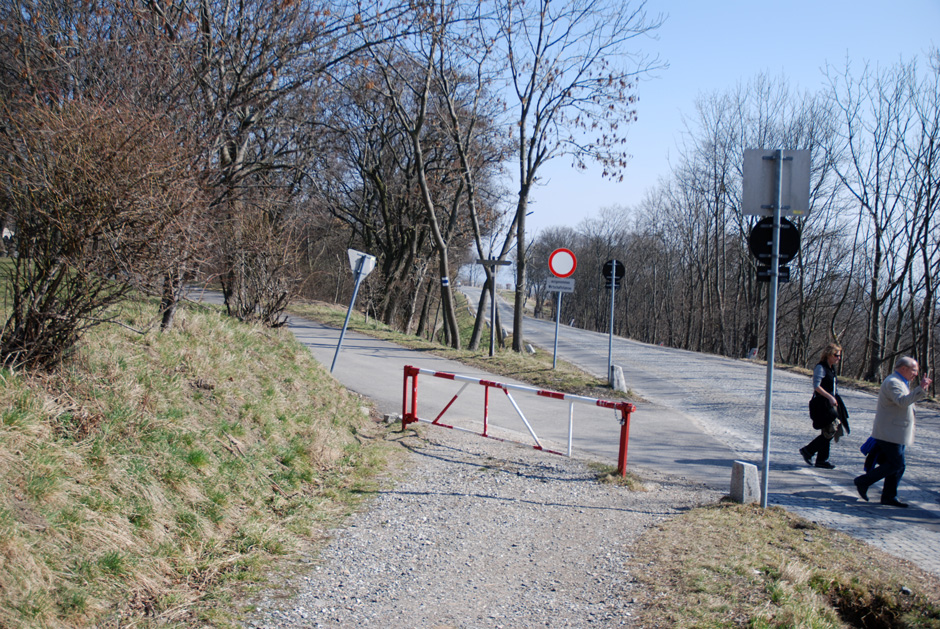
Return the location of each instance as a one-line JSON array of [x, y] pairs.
[[524, 420], [570, 425], [518, 387]]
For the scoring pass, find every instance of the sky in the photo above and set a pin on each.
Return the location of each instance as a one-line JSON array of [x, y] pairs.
[[711, 46]]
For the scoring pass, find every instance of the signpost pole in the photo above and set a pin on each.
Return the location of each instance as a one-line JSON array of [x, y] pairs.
[[493, 313], [352, 301], [772, 330], [766, 188], [557, 316], [562, 264], [610, 339]]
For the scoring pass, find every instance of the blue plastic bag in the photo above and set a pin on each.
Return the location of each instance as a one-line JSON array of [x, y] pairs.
[[871, 455]]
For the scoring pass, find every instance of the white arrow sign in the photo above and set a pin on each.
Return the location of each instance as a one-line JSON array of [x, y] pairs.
[[367, 264]]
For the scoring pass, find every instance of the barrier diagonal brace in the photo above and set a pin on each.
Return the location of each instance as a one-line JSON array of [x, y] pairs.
[[535, 438]]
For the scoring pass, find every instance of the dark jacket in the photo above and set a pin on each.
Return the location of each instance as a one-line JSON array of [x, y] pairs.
[[821, 410]]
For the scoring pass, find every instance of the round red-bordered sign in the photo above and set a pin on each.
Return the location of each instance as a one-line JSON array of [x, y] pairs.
[[562, 262]]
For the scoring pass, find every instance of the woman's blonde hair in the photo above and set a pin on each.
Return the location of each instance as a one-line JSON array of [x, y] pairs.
[[832, 348]]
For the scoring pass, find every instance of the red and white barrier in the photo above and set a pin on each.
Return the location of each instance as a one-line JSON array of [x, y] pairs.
[[410, 407]]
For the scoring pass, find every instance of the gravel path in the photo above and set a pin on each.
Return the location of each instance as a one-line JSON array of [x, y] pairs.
[[480, 533]]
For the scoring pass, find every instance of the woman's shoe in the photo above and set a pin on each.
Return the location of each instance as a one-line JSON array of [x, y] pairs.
[[826, 465], [894, 502], [807, 455]]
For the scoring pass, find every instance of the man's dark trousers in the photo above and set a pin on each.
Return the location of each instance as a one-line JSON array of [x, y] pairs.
[[890, 467]]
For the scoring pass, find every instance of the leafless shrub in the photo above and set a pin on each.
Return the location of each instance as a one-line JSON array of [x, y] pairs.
[[94, 190], [259, 253]]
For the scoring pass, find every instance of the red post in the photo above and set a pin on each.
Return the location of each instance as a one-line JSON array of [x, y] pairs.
[[625, 411], [408, 415]]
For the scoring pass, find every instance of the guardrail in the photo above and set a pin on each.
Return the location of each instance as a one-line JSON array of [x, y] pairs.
[[410, 408]]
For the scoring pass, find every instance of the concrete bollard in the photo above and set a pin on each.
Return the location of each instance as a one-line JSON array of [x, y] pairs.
[[617, 381], [745, 485]]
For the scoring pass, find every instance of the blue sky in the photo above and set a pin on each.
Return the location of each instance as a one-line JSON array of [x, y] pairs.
[[711, 46]]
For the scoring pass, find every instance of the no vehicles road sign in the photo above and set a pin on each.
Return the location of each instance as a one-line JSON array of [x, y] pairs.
[[562, 262]]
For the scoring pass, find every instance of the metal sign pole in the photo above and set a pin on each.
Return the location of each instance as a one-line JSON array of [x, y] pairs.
[[557, 316], [493, 313], [349, 310], [610, 339], [772, 329]]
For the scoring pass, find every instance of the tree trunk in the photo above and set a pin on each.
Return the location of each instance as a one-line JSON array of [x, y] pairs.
[[481, 314], [169, 300]]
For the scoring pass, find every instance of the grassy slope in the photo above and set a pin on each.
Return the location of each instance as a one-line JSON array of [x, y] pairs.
[[154, 471], [730, 565]]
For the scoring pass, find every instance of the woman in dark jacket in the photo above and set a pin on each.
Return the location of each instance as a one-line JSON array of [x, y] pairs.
[[826, 408]]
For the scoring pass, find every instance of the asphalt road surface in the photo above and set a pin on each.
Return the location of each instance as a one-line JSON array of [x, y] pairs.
[[725, 398]]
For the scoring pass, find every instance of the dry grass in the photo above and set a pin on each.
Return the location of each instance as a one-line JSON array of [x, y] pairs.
[[731, 565], [153, 473], [607, 474]]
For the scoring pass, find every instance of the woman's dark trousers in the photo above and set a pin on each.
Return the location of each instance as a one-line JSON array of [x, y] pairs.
[[820, 447]]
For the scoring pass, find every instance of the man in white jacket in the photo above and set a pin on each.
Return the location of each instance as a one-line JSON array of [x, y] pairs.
[[893, 430]]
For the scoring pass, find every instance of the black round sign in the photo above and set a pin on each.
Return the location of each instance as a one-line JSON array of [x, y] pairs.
[[760, 241], [616, 267]]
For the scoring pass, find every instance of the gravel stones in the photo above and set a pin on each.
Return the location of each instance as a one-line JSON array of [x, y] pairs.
[[481, 533]]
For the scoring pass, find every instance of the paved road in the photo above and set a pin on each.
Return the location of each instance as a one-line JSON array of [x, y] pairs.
[[725, 399], [701, 413]]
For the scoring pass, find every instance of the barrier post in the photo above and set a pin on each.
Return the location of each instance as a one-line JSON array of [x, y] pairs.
[[624, 438], [409, 415]]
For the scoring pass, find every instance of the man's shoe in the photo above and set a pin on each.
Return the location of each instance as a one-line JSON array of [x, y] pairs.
[[826, 465], [806, 455], [862, 491], [894, 502]]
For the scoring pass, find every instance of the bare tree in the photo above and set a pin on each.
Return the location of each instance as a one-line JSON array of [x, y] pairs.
[[923, 155], [572, 73], [257, 78], [876, 116], [422, 78], [366, 179], [466, 87]]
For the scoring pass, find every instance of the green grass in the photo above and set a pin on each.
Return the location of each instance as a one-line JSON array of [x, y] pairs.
[[154, 475]]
